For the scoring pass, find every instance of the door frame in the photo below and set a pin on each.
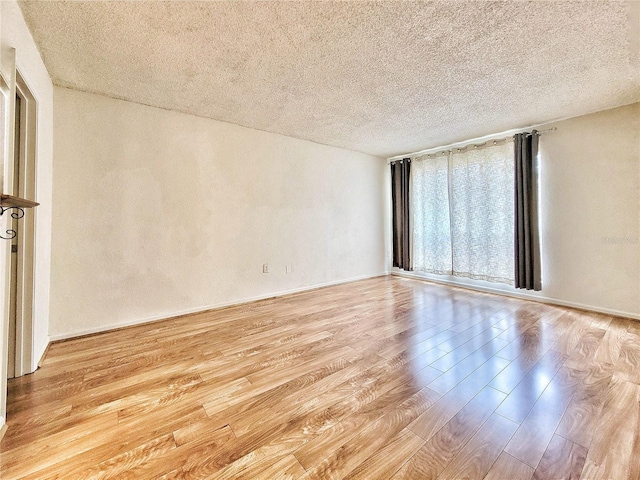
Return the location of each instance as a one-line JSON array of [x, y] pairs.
[[26, 227], [17, 84], [7, 90]]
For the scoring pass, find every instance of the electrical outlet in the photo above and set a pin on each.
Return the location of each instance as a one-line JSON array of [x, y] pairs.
[[287, 269], [265, 268]]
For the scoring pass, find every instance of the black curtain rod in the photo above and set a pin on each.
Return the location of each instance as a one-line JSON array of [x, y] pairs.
[[451, 147]]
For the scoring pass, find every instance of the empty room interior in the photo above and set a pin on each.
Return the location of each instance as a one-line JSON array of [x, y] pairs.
[[320, 240]]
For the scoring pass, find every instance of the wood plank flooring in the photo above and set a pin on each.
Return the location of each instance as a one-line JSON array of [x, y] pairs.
[[387, 378]]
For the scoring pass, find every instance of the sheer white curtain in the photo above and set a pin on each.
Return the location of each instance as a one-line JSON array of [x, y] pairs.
[[431, 221], [463, 213], [482, 182]]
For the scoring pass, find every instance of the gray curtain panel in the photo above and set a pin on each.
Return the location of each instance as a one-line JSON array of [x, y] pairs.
[[400, 175], [527, 237]]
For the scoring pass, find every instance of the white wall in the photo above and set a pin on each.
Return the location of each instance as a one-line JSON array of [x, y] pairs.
[[590, 214], [28, 62], [158, 213], [590, 201]]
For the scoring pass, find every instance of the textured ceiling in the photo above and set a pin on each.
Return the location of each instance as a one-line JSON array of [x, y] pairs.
[[377, 77]]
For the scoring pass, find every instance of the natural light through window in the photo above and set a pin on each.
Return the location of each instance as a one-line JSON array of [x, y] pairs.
[[463, 213]]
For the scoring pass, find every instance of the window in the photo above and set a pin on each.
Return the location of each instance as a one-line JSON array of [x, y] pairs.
[[463, 212]]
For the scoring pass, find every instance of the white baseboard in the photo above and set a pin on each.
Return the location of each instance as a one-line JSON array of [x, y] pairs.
[[38, 354], [522, 295], [203, 308]]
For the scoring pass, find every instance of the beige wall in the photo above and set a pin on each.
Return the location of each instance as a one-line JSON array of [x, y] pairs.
[[158, 213], [28, 62], [590, 214], [590, 201]]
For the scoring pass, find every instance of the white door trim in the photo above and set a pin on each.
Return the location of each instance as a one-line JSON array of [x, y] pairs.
[[26, 231]]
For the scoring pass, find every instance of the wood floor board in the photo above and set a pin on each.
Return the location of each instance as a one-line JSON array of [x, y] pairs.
[[270, 435], [536, 431], [280, 373], [476, 458], [258, 340], [563, 459], [108, 460], [523, 397], [628, 364], [472, 319], [353, 393], [40, 384], [351, 420], [99, 352], [455, 375], [388, 459], [587, 346], [273, 450], [20, 461], [610, 454], [119, 442], [634, 464], [601, 320], [439, 451], [394, 348], [382, 378], [569, 339], [518, 327], [579, 422], [371, 437], [296, 391], [88, 396], [277, 467], [344, 380], [518, 368], [176, 459], [609, 348], [453, 401], [633, 326], [508, 467], [158, 401], [357, 398], [279, 358], [27, 424], [458, 351]]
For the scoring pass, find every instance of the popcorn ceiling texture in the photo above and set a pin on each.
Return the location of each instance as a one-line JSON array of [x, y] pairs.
[[378, 77]]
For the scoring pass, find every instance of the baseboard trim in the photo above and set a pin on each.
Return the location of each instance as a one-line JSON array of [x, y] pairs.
[[203, 308], [3, 427], [523, 296], [39, 358]]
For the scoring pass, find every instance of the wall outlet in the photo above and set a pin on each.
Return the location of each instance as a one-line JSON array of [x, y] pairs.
[[265, 268], [287, 269]]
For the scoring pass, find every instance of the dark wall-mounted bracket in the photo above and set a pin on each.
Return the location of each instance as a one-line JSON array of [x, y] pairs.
[[8, 203]]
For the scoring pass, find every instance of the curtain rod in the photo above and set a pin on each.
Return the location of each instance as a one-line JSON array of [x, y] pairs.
[[463, 145]]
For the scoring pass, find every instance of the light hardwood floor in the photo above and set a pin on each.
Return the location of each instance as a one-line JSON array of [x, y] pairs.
[[388, 378]]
